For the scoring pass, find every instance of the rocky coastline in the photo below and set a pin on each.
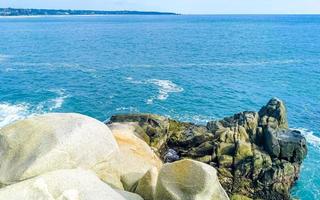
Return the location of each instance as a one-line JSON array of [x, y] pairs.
[[67, 156], [255, 153]]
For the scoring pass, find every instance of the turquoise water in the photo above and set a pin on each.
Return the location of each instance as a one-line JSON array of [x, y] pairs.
[[193, 68]]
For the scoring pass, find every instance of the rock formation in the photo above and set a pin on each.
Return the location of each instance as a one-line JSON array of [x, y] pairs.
[[255, 153], [75, 157], [252, 155], [189, 180]]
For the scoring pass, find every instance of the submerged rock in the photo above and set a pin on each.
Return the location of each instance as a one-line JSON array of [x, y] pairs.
[[255, 153]]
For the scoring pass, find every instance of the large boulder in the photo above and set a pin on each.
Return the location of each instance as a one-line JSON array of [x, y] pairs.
[[51, 142], [135, 157], [188, 180], [72, 184]]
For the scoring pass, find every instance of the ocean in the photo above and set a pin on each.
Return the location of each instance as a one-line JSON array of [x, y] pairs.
[[191, 68]]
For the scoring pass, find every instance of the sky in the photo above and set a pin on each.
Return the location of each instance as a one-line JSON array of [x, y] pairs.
[[179, 6]]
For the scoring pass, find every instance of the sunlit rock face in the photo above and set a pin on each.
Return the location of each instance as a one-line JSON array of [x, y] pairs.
[[51, 142]]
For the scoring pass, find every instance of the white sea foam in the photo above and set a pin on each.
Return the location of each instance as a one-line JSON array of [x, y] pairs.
[[13, 112], [165, 87], [130, 109], [197, 119], [10, 113], [57, 102], [310, 137]]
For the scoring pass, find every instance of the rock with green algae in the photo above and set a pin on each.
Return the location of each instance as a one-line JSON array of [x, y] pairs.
[[255, 153], [274, 114], [154, 129]]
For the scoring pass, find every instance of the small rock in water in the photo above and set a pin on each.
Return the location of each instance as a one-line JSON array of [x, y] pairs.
[[171, 156]]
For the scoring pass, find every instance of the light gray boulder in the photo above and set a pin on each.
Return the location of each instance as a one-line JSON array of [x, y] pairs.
[[189, 180], [72, 184], [49, 142]]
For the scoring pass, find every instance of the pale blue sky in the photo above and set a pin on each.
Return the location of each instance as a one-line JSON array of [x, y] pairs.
[[179, 6]]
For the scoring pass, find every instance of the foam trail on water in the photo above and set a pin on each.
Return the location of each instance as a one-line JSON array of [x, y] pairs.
[[58, 102], [310, 137], [165, 87], [130, 109]]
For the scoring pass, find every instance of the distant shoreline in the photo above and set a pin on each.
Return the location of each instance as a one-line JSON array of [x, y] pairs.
[[40, 16], [7, 12]]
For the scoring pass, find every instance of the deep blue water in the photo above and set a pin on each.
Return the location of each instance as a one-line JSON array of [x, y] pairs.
[[193, 68]]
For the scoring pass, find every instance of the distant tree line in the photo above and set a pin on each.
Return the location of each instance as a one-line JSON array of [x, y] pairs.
[[18, 12]]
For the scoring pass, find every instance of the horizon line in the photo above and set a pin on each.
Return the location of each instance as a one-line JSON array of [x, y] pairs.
[[163, 12]]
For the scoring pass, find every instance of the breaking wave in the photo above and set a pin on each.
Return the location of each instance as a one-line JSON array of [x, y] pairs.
[[10, 113], [13, 112]]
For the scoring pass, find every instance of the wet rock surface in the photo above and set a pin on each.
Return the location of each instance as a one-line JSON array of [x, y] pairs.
[[255, 154]]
